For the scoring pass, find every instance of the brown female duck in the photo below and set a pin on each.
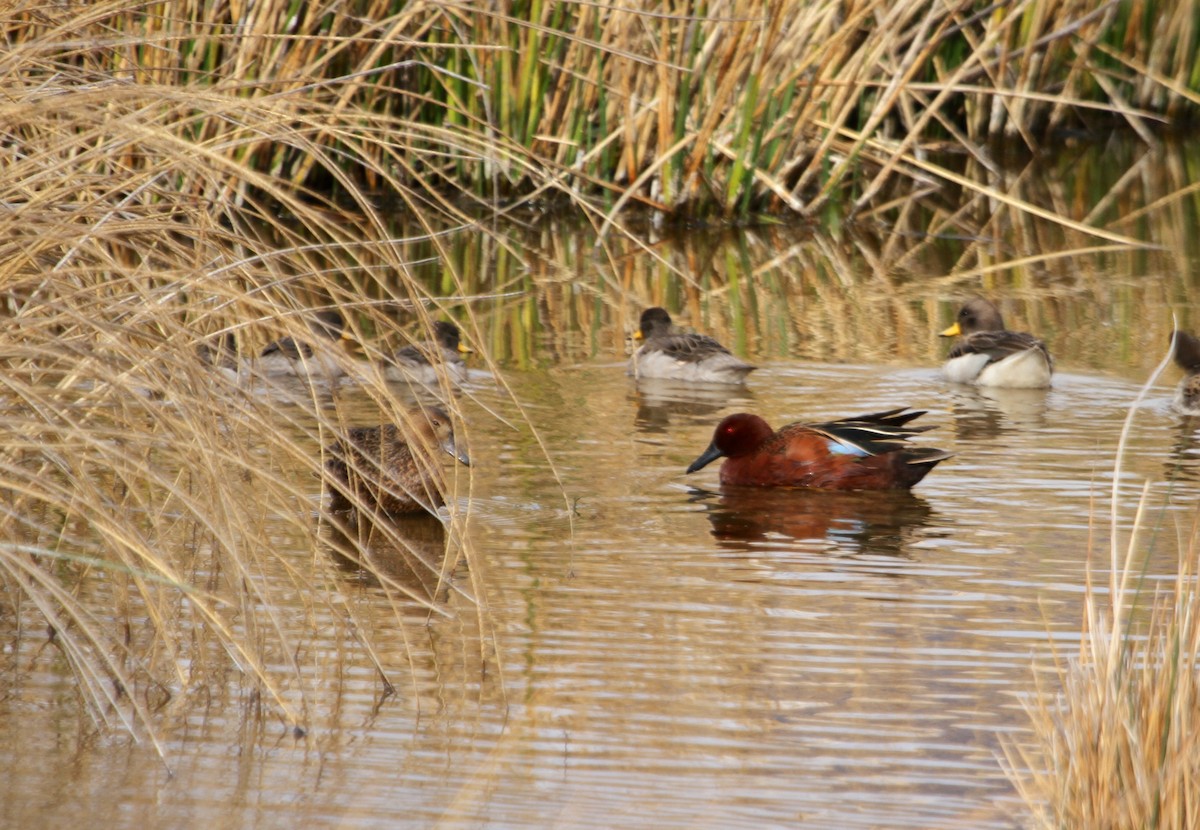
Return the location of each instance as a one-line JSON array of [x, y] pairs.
[[390, 469]]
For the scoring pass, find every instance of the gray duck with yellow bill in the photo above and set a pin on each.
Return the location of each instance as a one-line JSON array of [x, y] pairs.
[[291, 356], [988, 354], [666, 354], [419, 362]]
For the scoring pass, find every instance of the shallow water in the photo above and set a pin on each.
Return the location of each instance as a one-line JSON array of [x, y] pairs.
[[657, 653], [668, 656]]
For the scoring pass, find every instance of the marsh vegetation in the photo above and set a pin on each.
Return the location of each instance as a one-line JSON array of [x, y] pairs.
[[183, 183]]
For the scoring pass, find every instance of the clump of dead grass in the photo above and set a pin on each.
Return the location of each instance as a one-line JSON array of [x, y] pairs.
[[690, 108], [1116, 743], [162, 523]]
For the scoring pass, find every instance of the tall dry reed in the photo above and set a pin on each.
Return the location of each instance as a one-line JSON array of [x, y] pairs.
[[1115, 729], [693, 107], [162, 523]]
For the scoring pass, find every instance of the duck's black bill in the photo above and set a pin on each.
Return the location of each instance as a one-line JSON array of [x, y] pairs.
[[459, 453], [709, 456]]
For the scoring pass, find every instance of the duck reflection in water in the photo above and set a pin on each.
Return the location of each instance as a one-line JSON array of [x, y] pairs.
[[848, 523], [405, 553], [990, 412], [663, 402]]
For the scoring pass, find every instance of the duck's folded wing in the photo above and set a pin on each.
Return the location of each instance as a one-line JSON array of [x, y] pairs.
[[416, 354], [872, 434], [998, 345], [289, 348], [689, 348]]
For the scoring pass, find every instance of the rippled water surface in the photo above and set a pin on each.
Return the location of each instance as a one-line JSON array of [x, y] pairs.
[[660, 654]]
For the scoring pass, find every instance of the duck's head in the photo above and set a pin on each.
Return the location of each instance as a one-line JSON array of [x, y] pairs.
[[736, 435], [976, 314], [439, 429], [655, 322], [449, 337]]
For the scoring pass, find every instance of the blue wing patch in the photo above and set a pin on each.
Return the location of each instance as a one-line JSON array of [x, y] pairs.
[[838, 448]]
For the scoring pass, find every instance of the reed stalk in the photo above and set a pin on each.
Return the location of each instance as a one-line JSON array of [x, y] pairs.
[[1114, 729], [153, 507], [727, 108]]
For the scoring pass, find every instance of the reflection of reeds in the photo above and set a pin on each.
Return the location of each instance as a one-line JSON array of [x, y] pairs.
[[1115, 745], [879, 292]]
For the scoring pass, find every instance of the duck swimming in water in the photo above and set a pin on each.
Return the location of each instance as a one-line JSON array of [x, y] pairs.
[[683, 356], [866, 452], [290, 356], [419, 362], [987, 354], [1187, 357], [392, 470]]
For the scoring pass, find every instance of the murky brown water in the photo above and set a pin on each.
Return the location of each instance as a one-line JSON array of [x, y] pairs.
[[665, 656]]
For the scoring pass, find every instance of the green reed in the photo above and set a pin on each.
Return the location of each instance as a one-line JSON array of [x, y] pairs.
[[692, 107]]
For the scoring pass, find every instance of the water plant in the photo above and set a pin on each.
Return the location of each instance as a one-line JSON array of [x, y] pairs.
[[692, 108], [1114, 727]]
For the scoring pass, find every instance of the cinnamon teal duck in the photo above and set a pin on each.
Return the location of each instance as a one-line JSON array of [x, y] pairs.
[[866, 452]]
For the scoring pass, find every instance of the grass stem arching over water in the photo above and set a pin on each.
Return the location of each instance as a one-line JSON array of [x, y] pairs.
[[147, 492], [1115, 744]]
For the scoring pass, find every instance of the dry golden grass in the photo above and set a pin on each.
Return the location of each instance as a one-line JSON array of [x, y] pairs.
[[718, 108], [1116, 736], [156, 511]]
